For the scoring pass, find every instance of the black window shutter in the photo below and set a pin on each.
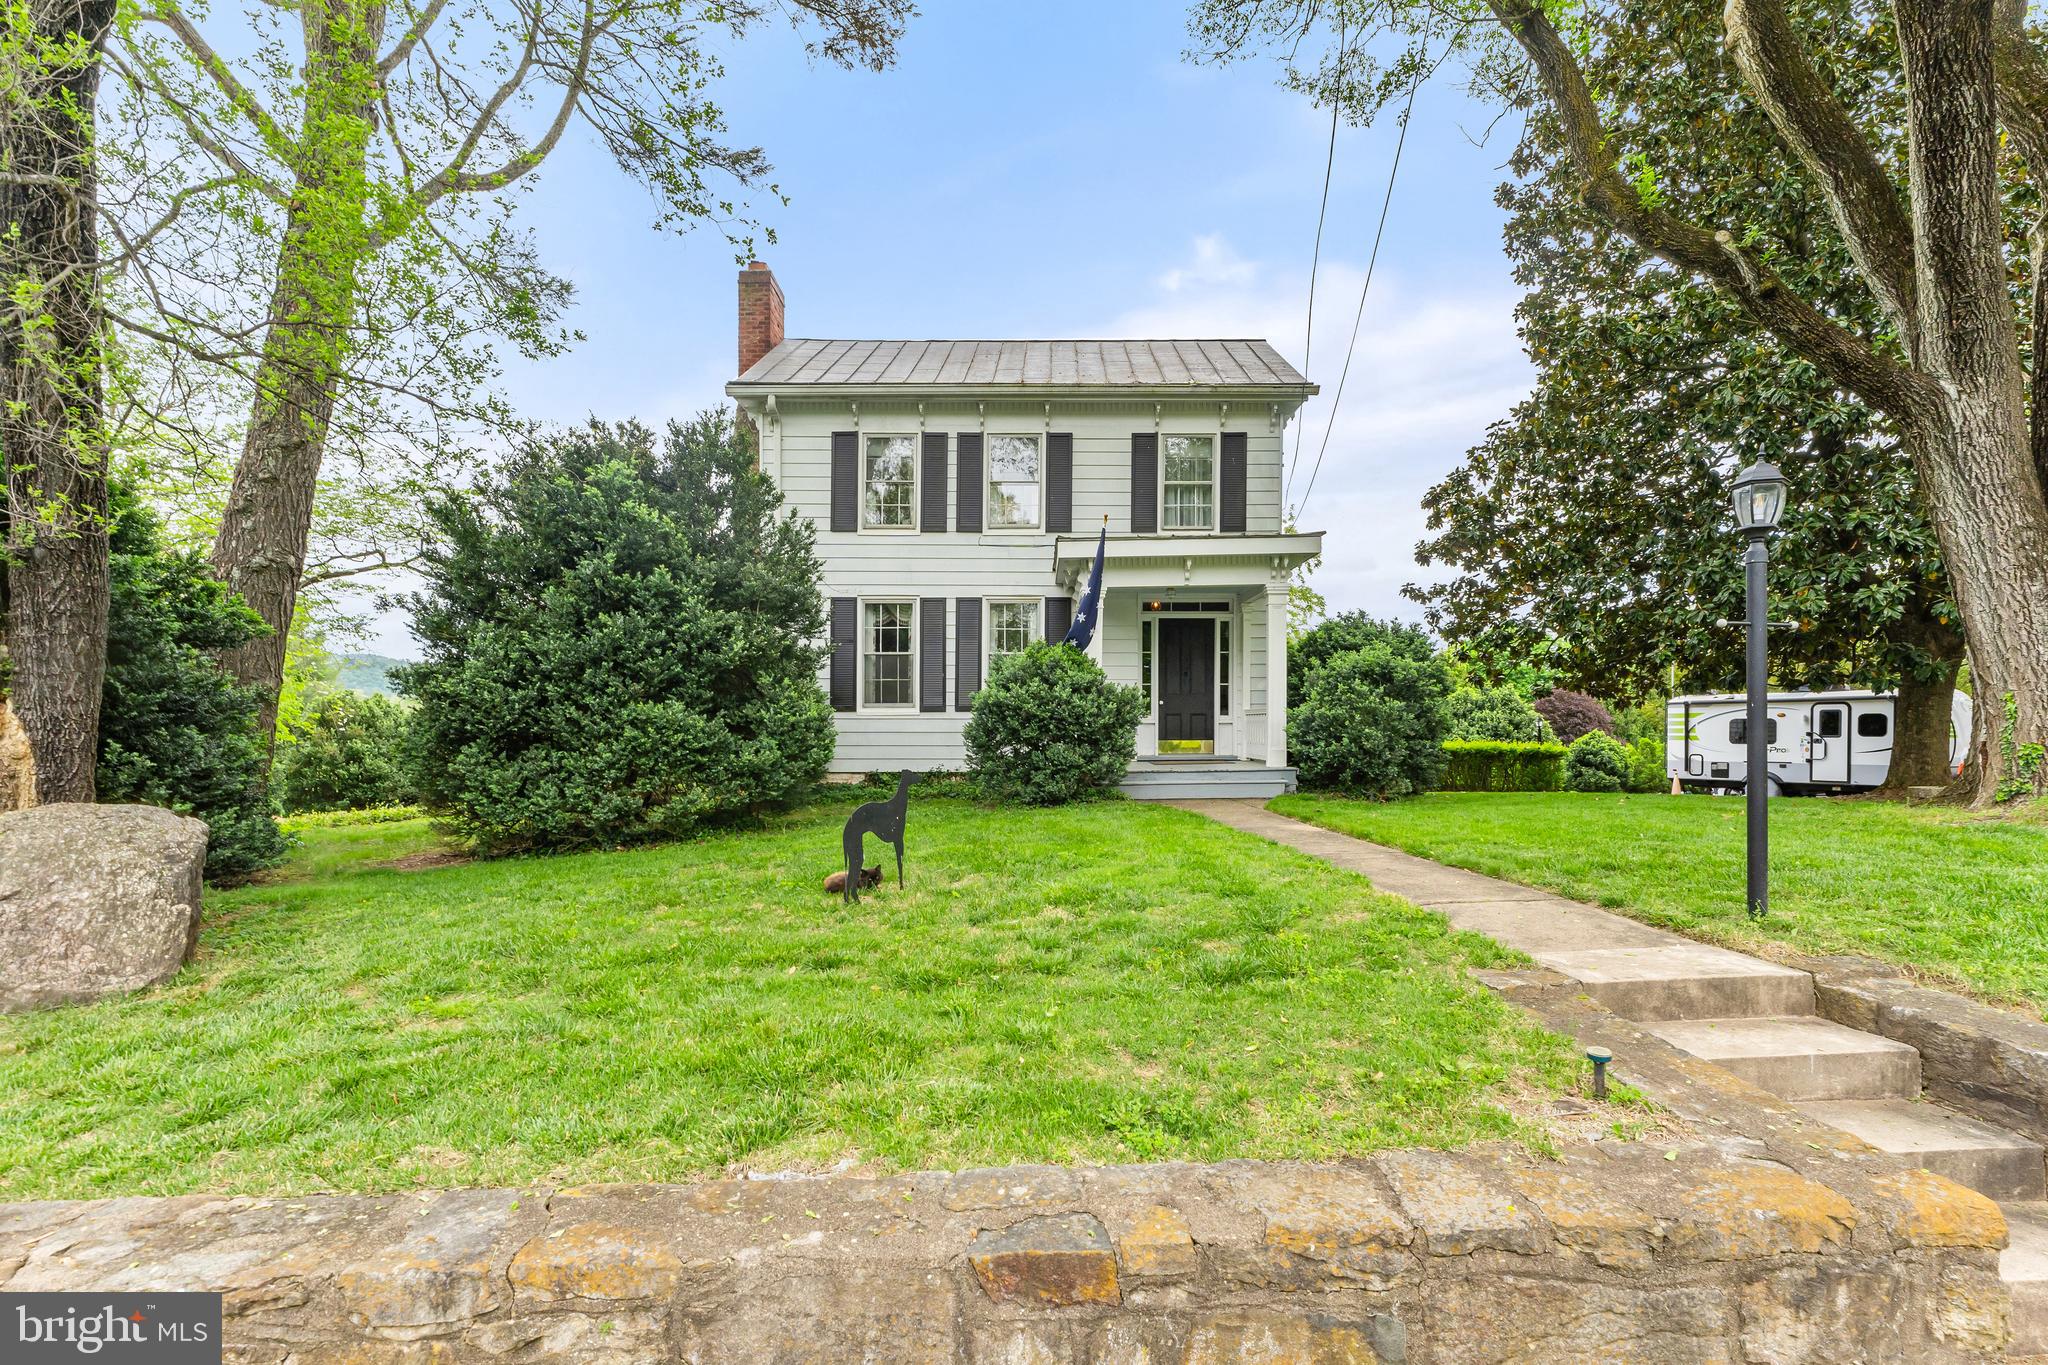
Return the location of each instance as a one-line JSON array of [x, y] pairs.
[[845, 480], [845, 651], [1234, 448], [932, 517], [931, 654], [1059, 481], [1059, 614], [1144, 481], [968, 448], [966, 650]]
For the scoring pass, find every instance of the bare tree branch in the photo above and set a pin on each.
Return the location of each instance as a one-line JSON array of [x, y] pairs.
[[402, 49], [238, 95], [1716, 256], [1863, 199]]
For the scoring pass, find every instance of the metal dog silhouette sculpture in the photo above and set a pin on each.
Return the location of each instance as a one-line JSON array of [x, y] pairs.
[[884, 820]]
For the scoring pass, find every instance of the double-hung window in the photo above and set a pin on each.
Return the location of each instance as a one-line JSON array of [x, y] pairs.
[[889, 484], [1014, 467], [1190, 483], [885, 668], [1011, 626]]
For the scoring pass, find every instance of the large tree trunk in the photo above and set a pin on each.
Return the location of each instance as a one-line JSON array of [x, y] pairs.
[[261, 547], [1972, 441], [51, 402], [1921, 724]]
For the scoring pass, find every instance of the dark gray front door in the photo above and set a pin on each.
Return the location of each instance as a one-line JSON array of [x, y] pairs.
[[1187, 683]]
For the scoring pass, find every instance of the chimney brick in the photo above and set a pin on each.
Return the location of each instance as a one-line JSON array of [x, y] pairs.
[[760, 314]]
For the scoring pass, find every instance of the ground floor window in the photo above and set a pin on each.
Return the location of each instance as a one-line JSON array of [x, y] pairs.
[[1145, 657], [885, 654], [1223, 667], [1011, 626]]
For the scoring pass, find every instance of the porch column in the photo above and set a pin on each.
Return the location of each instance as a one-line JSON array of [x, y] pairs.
[[1276, 674]]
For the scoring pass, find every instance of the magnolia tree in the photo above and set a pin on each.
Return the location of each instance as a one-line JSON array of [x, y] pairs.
[[1924, 225]]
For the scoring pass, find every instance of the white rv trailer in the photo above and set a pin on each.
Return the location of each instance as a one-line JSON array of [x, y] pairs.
[[1819, 741]]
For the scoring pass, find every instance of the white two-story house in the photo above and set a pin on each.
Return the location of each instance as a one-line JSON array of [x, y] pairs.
[[958, 488]]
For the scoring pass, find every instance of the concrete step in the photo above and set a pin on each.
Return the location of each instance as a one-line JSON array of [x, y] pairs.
[[2023, 1265], [1989, 1160], [1684, 981], [1197, 780], [1800, 1058]]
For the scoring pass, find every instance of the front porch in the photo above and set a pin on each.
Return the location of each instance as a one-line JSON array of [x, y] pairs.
[[1199, 623], [1204, 779]]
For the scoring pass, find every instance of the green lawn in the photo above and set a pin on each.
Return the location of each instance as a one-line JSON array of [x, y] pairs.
[[1959, 899], [1112, 983]]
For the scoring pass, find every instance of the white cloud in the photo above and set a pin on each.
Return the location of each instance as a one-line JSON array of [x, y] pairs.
[[1431, 370]]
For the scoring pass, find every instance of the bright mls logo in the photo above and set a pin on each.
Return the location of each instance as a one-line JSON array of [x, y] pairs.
[[159, 1329]]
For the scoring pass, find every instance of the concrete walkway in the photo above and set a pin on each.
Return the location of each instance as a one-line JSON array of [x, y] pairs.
[[1753, 1018]]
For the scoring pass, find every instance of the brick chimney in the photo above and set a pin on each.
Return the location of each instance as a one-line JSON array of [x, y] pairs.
[[760, 314]]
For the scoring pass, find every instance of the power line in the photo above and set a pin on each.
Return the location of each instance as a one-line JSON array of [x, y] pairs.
[[1308, 331], [1371, 262]]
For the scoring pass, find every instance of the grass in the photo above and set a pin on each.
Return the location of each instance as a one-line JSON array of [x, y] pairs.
[[1959, 899], [1110, 983]]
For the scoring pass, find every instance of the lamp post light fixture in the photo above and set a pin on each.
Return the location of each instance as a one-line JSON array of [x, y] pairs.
[[1759, 502]]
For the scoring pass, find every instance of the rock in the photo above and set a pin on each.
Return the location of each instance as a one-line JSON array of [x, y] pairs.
[[1058, 1261], [95, 901], [17, 763]]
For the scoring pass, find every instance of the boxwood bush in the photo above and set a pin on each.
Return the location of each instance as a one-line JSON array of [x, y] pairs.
[[1491, 765], [1498, 713], [622, 636], [1372, 722], [1596, 762], [1050, 727]]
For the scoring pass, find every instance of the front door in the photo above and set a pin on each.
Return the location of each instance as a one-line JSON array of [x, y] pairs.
[[1187, 687], [1829, 744]]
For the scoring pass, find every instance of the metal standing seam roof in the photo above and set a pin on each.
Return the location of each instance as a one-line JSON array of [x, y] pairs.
[[1229, 363]]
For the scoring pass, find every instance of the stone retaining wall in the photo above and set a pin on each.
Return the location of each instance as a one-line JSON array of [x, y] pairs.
[[1617, 1251], [1988, 1062]]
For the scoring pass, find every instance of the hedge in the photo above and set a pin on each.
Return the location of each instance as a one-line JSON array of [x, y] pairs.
[[1493, 765]]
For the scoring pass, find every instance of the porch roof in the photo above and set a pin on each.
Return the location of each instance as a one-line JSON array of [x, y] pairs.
[[1166, 560]]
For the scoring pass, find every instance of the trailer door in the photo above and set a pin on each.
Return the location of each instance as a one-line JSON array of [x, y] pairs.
[[1829, 743]]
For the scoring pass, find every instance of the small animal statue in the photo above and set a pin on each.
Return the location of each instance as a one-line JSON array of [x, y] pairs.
[[884, 820], [869, 876]]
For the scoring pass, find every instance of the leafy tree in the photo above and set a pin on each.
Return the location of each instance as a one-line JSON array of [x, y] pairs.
[[1596, 762], [53, 455], [622, 642], [175, 729], [318, 213], [1572, 714], [1498, 713], [1050, 727], [1593, 519], [346, 751], [1341, 634], [1948, 367], [1374, 720]]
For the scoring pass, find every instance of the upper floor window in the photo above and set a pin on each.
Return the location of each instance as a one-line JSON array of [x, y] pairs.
[[885, 654], [889, 480], [1013, 482], [1011, 626], [1190, 483]]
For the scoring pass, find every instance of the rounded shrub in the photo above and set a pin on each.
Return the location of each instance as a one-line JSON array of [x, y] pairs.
[[1051, 727], [622, 642], [1572, 714], [1496, 713], [1646, 765], [345, 751], [1596, 762], [1343, 634], [1372, 723]]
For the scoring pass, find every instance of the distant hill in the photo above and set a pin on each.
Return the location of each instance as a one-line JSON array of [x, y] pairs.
[[368, 672]]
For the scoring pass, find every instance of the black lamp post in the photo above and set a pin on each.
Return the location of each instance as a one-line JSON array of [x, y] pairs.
[[1759, 501]]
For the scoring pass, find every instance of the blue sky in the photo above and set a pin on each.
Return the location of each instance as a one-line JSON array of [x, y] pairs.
[[1053, 168]]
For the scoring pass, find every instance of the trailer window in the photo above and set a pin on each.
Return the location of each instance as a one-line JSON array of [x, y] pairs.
[[1738, 731], [1830, 724], [1873, 725]]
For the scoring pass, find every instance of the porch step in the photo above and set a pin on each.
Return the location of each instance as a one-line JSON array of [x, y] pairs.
[[1196, 780], [2023, 1265], [1684, 980], [1800, 1058], [1989, 1160]]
